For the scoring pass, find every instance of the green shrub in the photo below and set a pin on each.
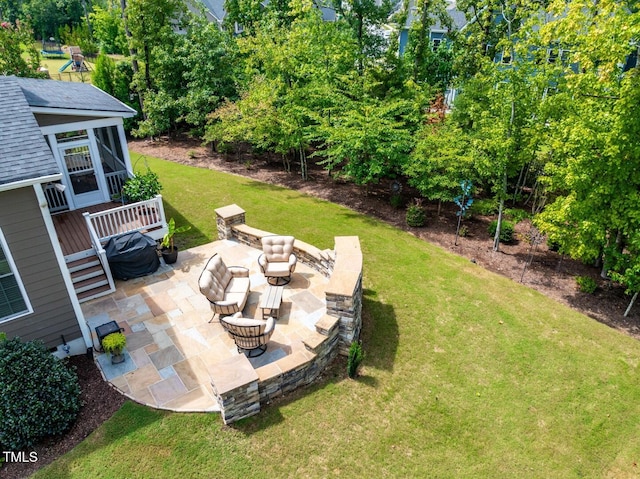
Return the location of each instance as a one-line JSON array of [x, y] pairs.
[[39, 395], [485, 207], [415, 215], [356, 355], [141, 187], [586, 284], [516, 215], [506, 230]]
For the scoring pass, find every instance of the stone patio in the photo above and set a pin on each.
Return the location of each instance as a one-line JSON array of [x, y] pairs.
[[173, 347]]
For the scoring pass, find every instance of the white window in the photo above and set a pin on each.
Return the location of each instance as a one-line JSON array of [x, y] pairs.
[[435, 44], [13, 298]]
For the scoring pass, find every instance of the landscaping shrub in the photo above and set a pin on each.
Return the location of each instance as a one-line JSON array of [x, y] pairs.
[[516, 215], [356, 355], [39, 395], [415, 215], [506, 230], [485, 207], [586, 284]]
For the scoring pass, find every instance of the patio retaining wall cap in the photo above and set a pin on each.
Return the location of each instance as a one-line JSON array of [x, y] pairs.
[[229, 211], [314, 340], [348, 267], [295, 361], [268, 371], [231, 374], [326, 323], [249, 230]]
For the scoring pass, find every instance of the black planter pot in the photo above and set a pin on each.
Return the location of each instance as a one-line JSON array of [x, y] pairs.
[[170, 256]]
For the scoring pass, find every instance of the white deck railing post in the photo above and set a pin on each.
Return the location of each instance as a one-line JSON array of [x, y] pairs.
[[100, 252]]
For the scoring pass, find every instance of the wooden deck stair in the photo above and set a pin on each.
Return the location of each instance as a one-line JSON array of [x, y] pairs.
[[88, 276]]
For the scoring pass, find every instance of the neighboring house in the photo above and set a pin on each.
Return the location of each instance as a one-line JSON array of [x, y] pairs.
[[63, 151], [438, 32], [215, 12]]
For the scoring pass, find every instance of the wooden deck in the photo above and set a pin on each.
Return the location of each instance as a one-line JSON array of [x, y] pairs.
[[72, 228]]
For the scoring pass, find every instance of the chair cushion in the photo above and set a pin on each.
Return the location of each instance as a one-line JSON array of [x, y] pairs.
[[210, 287], [233, 321], [277, 248], [238, 298], [277, 269], [214, 279], [238, 285]]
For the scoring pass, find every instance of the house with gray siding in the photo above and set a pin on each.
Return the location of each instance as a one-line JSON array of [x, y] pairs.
[[63, 156]]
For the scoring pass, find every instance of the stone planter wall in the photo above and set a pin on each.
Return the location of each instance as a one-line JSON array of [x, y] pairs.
[[239, 389]]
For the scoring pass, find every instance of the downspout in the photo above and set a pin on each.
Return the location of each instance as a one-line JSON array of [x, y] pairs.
[[66, 275]]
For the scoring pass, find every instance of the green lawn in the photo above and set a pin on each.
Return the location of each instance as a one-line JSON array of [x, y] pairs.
[[467, 374]]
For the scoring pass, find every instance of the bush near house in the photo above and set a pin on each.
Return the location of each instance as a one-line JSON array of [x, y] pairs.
[[39, 395]]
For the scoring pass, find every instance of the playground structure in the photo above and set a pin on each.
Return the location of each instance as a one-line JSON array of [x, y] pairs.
[[76, 62], [51, 48]]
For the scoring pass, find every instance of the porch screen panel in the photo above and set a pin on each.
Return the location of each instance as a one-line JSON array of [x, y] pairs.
[[80, 167], [12, 302]]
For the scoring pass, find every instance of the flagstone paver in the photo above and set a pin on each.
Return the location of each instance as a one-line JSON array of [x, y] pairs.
[[173, 345]]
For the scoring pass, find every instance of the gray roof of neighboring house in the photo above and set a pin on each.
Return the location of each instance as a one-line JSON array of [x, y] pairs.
[[24, 153], [458, 17], [70, 96], [216, 8]]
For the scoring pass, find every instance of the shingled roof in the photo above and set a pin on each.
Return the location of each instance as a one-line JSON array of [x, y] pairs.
[[24, 153], [70, 96]]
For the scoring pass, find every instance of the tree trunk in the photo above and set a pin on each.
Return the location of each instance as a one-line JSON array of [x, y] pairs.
[[147, 61], [496, 238], [633, 300], [423, 35], [132, 52], [303, 164]]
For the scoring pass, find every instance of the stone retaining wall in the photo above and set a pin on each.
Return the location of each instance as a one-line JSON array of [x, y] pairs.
[[239, 389], [319, 260]]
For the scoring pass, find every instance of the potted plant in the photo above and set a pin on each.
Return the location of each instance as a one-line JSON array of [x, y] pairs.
[[141, 187], [114, 344], [169, 250]]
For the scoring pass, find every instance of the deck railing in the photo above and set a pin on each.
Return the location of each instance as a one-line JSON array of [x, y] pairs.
[[58, 201], [55, 198], [115, 180], [144, 216]]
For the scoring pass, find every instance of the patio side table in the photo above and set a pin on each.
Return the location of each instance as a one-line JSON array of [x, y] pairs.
[[105, 330], [271, 301]]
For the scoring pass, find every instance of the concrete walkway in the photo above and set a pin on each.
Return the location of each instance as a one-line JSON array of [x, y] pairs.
[[171, 343]]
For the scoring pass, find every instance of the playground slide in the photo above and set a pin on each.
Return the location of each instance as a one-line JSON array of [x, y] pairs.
[[63, 67]]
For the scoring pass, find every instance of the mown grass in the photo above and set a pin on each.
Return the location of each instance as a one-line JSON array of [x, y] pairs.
[[467, 374]]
